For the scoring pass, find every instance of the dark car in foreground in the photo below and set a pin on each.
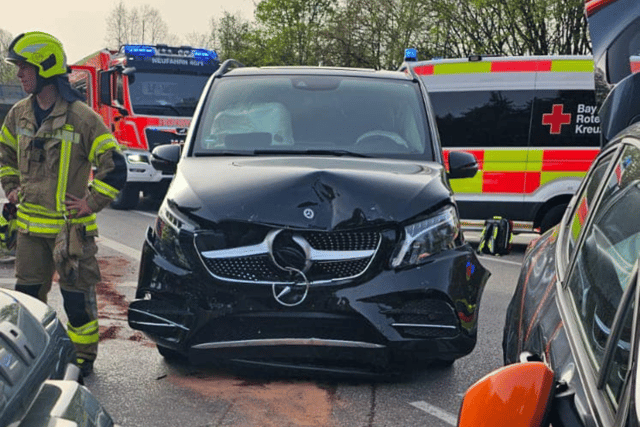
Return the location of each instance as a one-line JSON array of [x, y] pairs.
[[572, 332], [311, 225], [38, 383]]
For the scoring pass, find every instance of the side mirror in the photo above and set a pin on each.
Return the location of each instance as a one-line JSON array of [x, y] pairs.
[[462, 165], [165, 157], [130, 72], [105, 87], [106, 95], [515, 395]]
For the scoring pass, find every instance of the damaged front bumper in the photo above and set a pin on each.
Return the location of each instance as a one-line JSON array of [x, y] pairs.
[[390, 316]]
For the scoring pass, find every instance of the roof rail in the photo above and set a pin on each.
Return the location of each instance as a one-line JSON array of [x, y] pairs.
[[228, 65], [478, 57]]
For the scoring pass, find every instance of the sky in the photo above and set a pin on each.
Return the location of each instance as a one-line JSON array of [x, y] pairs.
[[81, 24]]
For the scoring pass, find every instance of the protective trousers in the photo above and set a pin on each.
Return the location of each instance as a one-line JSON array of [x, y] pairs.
[[34, 271]]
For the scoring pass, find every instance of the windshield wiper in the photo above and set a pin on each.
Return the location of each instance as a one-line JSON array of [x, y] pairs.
[[314, 152]]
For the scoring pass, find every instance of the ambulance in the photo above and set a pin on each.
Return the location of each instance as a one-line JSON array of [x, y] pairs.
[[530, 121]]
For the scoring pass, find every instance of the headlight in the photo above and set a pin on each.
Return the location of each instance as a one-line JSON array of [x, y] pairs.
[[173, 218], [170, 228], [133, 158], [427, 237]]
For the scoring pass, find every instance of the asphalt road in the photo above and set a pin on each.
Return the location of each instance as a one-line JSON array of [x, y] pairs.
[[139, 388]]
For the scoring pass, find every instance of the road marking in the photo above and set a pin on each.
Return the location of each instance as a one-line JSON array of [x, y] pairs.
[[436, 412], [119, 247]]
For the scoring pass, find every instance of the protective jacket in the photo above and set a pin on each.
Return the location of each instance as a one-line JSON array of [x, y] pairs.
[[56, 159]]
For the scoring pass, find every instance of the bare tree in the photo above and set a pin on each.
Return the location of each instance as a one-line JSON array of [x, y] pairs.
[[7, 71], [152, 27], [117, 26], [137, 25]]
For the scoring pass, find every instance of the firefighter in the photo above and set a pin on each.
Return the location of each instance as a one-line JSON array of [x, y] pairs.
[[49, 144]]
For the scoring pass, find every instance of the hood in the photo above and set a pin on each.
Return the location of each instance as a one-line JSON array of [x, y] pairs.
[[323, 193]]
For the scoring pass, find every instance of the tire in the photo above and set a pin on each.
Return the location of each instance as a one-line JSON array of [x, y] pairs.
[[128, 198], [552, 217]]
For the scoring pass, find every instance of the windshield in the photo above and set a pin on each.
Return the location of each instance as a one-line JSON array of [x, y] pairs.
[[315, 114], [160, 94]]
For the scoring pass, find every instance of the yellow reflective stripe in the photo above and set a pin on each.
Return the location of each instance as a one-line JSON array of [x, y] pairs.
[[104, 188], [572, 65], [63, 175], [468, 185], [546, 177], [60, 220], [8, 139], [534, 160], [504, 160], [52, 226], [8, 171], [86, 334], [462, 68], [38, 210], [101, 144]]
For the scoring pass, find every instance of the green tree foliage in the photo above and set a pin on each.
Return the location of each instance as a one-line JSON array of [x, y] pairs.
[[291, 30], [374, 33], [511, 27]]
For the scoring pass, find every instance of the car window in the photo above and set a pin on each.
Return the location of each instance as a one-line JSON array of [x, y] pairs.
[[483, 118], [364, 115], [604, 262], [586, 199], [620, 362]]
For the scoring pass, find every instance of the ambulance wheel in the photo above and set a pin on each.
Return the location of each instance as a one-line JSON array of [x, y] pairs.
[[552, 217], [127, 198]]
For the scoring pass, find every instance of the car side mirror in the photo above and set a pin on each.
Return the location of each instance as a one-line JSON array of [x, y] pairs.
[[514, 395], [165, 157], [462, 165]]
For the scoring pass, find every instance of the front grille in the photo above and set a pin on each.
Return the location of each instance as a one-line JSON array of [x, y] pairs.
[[283, 254], [251, 268], [329, 327]]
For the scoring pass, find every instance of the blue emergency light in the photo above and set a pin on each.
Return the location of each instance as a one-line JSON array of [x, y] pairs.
[[411, 54], [204, 54], [139, 50]]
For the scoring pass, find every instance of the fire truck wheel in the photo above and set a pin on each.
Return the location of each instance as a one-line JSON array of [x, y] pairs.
[[127, 198], [552, 217]]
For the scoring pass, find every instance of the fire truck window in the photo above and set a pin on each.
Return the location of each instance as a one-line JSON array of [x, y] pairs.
[[565, 118], [483, 118], [80, 80], [120, 90]]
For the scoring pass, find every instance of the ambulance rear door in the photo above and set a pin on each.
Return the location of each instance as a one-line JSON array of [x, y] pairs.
[[565, 132]]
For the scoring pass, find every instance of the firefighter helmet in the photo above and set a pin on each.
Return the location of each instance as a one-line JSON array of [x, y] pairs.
[[41, 50]]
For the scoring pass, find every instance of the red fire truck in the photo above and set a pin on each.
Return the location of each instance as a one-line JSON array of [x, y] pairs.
[[146, 96]]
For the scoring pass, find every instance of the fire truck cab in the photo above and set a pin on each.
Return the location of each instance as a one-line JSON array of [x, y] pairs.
[[530, 121], [147, 96]]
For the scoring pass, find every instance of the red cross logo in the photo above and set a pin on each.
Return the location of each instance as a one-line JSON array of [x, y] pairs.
[[556, 119]]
